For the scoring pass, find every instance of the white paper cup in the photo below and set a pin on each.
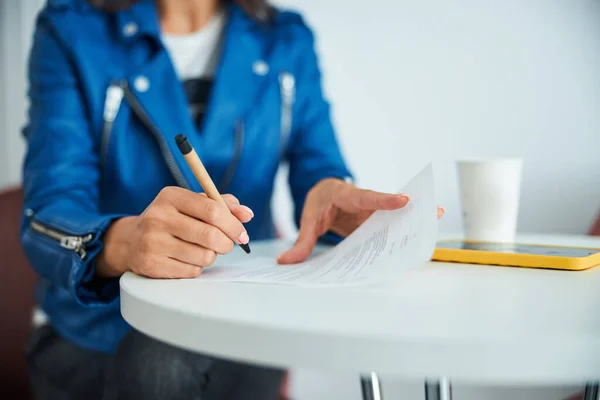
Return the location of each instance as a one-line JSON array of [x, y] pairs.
[[489, 190]]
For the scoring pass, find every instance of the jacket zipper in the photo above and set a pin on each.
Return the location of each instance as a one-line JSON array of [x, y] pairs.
[[114, 97], [66, 241], [164, 148], [287, 86], [240, 133]]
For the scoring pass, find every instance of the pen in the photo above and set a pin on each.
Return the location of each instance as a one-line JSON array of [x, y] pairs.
[[192, 159]]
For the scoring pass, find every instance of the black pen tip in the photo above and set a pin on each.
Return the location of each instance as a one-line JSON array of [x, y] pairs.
[[246, 248]]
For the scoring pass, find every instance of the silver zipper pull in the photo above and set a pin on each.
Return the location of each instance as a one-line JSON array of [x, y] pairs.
[[75, 243], [112, 103], [71, 242], [114, 97], [287, 85]]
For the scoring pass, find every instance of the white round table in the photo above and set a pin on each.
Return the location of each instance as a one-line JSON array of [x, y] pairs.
[[470, 323]]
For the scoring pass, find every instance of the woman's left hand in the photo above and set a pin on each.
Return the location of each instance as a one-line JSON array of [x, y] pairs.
[[340, 207]]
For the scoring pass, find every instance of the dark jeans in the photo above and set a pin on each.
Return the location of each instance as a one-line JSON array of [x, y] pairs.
[[142, 369]]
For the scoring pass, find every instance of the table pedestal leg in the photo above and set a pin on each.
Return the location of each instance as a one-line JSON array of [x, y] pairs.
[[591, 391], [440, 390], [371, 389]]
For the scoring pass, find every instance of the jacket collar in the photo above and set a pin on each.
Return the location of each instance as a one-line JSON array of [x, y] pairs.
[[139, 19], [142, 19], [73, 4]]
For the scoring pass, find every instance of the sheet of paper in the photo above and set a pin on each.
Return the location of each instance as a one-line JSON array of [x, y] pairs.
[[388, 243]]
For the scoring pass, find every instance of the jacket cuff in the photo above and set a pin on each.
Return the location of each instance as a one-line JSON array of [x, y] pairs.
[[330, 238], [89, 289]]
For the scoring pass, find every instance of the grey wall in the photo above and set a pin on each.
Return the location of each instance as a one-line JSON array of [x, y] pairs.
[[16, 26]]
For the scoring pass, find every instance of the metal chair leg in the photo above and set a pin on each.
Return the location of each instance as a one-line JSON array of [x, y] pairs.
[[371, 388], [439, 390], [591, 391]]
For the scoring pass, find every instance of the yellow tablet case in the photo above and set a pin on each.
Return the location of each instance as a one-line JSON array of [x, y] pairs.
[[517, 260]]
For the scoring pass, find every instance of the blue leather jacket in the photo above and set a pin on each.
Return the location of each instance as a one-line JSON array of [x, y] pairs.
[[106, 105]]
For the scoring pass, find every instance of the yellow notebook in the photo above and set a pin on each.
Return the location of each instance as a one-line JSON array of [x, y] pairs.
[[517, 255]]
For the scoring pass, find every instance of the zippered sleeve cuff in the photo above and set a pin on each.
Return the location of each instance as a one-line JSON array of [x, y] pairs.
[[89, 289], [63, 247]]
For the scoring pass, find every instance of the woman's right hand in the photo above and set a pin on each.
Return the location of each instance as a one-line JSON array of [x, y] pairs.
[[178, 235]]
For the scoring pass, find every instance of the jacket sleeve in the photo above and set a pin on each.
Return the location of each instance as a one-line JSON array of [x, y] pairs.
[[62, 227], [313, 151]]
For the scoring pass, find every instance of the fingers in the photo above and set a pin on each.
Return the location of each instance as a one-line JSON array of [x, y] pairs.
[[231, 200], [440, 212], [353, 199], [200, 233], [191, 254], [209, 211], [180, 270], [169, 268], [307, 239], [241, 212]]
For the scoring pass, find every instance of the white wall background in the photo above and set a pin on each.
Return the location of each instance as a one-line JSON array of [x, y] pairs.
[[434, 80], [414, 81], [16, 28]]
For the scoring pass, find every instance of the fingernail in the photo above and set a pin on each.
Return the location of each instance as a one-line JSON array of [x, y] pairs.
[[248, 210], [405, 197], [442, 209], [244, 238]]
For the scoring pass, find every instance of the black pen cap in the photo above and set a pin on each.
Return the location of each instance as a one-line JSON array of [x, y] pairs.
[[184, 145]]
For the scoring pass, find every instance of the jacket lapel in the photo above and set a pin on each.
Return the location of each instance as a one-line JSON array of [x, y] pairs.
[[236, 84], [158, 94], [163, 100], [236, 87]]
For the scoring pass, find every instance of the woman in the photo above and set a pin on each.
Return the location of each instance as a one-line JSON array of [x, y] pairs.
[[111, 84]]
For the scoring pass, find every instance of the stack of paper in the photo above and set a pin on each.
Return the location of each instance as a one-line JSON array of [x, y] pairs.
[[388, 243]]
